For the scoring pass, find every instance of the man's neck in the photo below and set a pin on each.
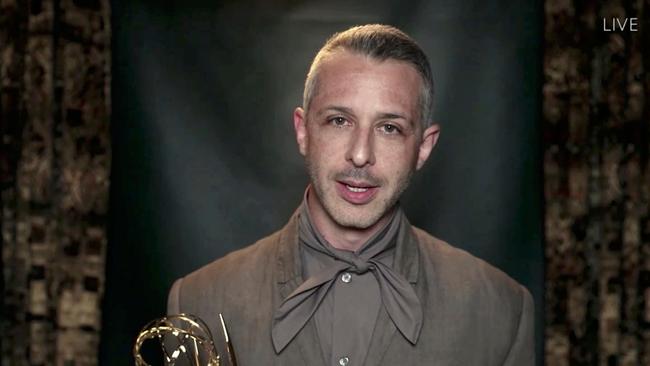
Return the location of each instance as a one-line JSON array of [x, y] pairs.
[[342, 237]]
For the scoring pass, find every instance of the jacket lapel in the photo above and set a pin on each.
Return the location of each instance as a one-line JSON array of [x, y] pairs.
[[288, 272]]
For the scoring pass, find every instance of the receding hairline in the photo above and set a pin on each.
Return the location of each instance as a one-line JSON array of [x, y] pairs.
[[315, 75], [379, 43], [323, 57]]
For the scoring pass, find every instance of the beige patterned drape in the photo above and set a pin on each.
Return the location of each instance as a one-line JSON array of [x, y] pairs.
[[597, 183], [55, 161]]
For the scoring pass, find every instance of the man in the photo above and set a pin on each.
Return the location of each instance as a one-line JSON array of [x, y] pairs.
[[348, 281]]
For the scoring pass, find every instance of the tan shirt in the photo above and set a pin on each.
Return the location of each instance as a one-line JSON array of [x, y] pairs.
[[346, 318]]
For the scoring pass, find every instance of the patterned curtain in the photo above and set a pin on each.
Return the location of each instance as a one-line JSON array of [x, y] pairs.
[[597, 183], [55, 161]]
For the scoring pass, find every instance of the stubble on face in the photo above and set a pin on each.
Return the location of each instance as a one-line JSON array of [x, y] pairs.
[[350, 217]]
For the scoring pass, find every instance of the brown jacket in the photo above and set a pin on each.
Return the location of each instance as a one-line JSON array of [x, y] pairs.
[[474, 314]]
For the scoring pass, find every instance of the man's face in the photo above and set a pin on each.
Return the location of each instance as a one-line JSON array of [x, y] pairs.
[[361, 137]]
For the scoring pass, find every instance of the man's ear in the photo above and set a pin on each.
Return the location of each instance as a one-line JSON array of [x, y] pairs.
[[299, 125], [429, 140]]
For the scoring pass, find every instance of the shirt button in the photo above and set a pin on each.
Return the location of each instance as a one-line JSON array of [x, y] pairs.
[[346, 277], [343, 361]]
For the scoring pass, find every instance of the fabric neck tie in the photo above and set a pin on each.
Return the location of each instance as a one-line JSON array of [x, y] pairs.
[[397, 294]]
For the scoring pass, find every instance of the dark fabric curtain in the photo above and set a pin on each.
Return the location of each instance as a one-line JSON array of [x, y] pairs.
[[597, 183], [54, 123]]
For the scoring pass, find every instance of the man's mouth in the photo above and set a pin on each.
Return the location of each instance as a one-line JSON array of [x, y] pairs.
[[356, 189], [357, 193]]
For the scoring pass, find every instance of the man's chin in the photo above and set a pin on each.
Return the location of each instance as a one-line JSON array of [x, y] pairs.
[[355, 218], [355, 224]]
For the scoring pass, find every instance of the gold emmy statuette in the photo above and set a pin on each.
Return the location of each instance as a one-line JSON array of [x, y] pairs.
[[185, 339]]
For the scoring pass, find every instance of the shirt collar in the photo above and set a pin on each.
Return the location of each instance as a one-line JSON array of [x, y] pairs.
[[288, 261]]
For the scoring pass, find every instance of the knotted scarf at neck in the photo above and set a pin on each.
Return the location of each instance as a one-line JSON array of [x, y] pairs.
[[397, 295]]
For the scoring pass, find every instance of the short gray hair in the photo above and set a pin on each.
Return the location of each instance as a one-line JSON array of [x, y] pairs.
[[380, 42]]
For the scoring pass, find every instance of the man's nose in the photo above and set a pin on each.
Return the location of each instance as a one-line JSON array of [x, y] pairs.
[[361, 148]]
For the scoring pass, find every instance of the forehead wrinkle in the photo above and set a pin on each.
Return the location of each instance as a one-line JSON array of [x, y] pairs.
[[398, 106]]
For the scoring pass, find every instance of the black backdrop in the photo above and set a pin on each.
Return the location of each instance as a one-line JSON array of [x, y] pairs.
[[205, 162]]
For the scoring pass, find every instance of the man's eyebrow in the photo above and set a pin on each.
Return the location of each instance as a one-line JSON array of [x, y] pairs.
[[388, 115], [336, 108]]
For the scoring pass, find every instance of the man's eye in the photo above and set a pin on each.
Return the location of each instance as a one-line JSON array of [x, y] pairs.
[[338, 121], [390, 129]]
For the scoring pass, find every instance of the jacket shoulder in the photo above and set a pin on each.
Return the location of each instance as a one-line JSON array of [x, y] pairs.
[[467, 279], [479, 298], [465, 267], [230, 275]]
